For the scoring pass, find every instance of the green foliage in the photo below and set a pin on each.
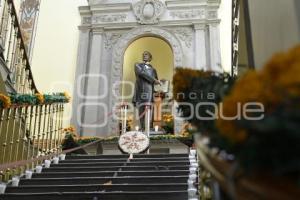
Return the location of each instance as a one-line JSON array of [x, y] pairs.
[[70, 137], [28, 99], [23, 99]]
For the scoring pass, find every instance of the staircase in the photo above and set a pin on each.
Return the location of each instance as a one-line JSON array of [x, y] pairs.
[[108, 177]]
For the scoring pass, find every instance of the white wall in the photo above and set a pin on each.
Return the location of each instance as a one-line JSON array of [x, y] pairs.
[[55, 50], [225, 33], [275, 27], [57, 37]]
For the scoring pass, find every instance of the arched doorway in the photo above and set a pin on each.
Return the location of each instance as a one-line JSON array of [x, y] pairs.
[[163, 62], [116, 71]]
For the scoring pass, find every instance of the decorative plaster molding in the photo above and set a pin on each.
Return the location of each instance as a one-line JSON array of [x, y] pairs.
[[212, 14], [110, 39], [118, 56], [188, 14], [149, 11], [86, 20], [200, 26], [184, 34], [109, 18]]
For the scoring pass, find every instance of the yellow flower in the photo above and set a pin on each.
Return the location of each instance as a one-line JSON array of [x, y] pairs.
[[68, 97], [278, 81], [70, 129], [6, 102], [40, 98]]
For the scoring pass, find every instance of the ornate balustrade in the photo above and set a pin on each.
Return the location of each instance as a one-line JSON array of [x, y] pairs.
[[30, 126], [17, 71]]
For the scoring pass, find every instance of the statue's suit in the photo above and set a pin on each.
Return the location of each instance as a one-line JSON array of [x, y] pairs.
[[144, 88]]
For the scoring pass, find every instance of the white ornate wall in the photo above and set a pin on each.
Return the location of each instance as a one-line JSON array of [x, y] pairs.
[[191, 27]]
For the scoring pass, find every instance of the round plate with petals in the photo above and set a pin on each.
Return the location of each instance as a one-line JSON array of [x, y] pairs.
[[134, 142]]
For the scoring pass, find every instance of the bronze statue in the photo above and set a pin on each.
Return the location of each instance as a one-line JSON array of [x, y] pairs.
[[146, 78]]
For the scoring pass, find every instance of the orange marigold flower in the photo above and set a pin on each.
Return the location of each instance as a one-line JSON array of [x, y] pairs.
[[6, 102], [278, 81], [68, 97], [40, 98]]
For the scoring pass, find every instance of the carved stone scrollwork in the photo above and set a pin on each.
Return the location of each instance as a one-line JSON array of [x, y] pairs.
[[120, 48], [212, 14], [86, 20], [185, 35], [189, 14], [148, 11], [109, 18], [110, 39]]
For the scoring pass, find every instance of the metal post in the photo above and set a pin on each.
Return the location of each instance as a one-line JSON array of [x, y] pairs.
[[147, 120], [124, 118]]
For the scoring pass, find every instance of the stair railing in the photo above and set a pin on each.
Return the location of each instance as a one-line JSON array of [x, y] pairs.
[[235, 36], [13, 51], [28, 132], [31, 124]]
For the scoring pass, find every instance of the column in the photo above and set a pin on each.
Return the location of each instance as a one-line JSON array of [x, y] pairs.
[[95, 89], [215, 49], [82, 66], [200, 47]]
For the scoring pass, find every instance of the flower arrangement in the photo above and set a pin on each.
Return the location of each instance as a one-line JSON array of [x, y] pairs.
[[5, 101], [272, 142], [72, 138], [168, 123], [198, 86], [67, 96], [40, 98], [36, 99], [188, 130], [70, 130]]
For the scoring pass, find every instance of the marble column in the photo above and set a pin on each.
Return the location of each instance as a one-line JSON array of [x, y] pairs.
[[214, 43], [82, 66], [200, 46], [96, 89]]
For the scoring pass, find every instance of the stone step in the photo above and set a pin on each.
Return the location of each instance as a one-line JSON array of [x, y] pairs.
[[126, 156], [124, 160], [157, 195], [115, 168], [104, 180], [142, 163], [111, 174], [97, 187]]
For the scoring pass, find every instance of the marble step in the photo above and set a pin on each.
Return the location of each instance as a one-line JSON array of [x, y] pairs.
[[97, 187], [141, 163], [153, 195], [104, 180], [124, 160], [111, 174], [126, 156], [115, 168]]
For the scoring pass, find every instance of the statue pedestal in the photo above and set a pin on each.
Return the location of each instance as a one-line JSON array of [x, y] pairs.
[[157, 109]]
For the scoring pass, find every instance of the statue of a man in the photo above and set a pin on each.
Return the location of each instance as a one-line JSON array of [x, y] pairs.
[[146, 78]]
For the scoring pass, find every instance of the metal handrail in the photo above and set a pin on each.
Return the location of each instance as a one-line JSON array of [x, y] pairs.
[[13, 50], [22, 44]]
